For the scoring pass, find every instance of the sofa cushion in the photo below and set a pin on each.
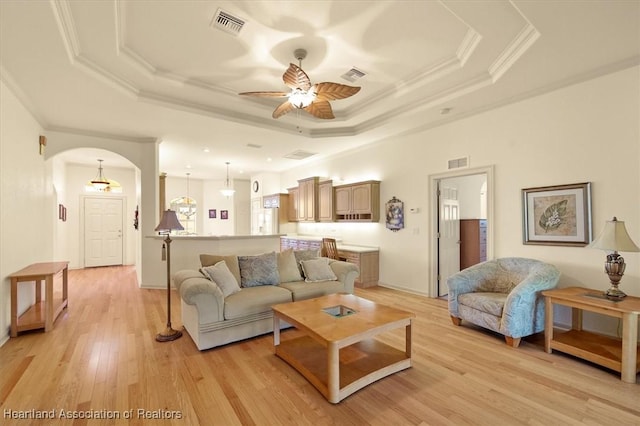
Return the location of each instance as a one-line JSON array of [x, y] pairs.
[[305, 255], [302, 290], [492, 303], [288, 267], [317, 270], [254, 300], [231, 261], [222, 276], [259, 270]]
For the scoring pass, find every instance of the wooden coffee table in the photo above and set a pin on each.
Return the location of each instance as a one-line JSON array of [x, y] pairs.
[[337, 353]]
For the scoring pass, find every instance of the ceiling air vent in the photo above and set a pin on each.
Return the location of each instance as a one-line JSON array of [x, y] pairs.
[[459, 163], [227, 22], [254, 145], [353, 74], [299, 155]]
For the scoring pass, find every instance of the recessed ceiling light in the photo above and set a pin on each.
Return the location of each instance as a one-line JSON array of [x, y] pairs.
[[269, 159], [188, 166], [206, 150]]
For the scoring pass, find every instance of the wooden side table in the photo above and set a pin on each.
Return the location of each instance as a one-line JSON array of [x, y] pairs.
[[622, 355], [43, 313]]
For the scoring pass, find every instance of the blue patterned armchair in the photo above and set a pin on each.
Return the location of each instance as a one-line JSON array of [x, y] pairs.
[[503, 295]]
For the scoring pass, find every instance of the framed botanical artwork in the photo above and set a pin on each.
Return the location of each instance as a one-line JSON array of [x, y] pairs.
[[394, 214], [212, 213], [224, 214], [557, 215]]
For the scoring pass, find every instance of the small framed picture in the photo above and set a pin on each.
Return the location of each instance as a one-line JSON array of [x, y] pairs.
[[394, 213], [224, 214], [60, 211], [212, 213], [557, 215]]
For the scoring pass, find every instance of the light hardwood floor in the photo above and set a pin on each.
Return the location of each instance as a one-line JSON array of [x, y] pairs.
[[101, 358]]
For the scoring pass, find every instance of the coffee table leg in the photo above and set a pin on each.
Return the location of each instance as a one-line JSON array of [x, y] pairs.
[[333, 368], [276, 330]]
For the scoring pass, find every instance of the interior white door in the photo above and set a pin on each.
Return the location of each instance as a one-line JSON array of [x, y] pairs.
[[103, 231], [448, 235]]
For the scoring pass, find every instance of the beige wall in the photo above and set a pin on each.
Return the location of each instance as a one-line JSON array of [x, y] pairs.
[[586, 132], [28, 210]]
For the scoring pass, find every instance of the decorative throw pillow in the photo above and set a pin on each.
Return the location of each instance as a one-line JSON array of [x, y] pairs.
[[230, 260], [317, 270], [305, 255], [288, 267], [259, 270], [222, 276]]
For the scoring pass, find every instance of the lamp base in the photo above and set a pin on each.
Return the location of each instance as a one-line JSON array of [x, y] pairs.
[[615, 293], [168, 335]]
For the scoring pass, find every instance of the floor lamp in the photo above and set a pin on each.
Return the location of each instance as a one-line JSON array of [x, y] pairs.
[[168, 223]]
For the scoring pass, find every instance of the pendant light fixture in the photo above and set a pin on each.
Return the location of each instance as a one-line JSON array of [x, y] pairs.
[[227, 191], [189, 210], [100, 182]]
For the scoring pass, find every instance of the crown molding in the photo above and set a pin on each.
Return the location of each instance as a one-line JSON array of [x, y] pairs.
[[67, 28], [518, 46]]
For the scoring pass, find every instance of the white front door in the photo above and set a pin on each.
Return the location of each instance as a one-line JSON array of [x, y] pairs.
[[103, 231], [449, 235]]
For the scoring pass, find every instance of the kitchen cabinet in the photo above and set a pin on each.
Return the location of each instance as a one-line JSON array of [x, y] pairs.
[[300, 243], [292, 210], [308, 199], [367, 261], [358, 202], [326, 213]]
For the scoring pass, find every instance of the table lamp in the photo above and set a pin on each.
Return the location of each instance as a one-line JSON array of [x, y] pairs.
[[168, 223], [614, 238]]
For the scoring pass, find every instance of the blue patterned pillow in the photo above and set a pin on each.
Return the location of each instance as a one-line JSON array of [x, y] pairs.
[[259, 270]]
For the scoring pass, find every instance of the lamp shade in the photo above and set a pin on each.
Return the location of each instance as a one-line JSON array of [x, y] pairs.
[[169, 222], [614, 237]]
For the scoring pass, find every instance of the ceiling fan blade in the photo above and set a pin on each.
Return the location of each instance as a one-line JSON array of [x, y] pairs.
[[295, 78], [266, 94], [320, 109], [331, 91], [282, 109]]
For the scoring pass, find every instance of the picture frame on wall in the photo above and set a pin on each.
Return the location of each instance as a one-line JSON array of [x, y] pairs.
[[224, 214], [212, 213], [557, 215], [394, 214]]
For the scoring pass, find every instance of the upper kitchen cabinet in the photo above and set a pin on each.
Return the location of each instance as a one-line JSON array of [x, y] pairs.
[[308, 199], [292, 210], [326, 212], [358, 202]]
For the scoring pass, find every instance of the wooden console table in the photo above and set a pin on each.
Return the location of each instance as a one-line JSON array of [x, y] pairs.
[[43, 313], [622, 355]]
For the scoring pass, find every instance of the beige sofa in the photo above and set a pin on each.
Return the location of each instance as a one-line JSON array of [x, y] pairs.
[[214, 313]]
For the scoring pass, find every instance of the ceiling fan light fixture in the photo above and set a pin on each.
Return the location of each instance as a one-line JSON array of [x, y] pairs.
[[300, 98], [313, 99]]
